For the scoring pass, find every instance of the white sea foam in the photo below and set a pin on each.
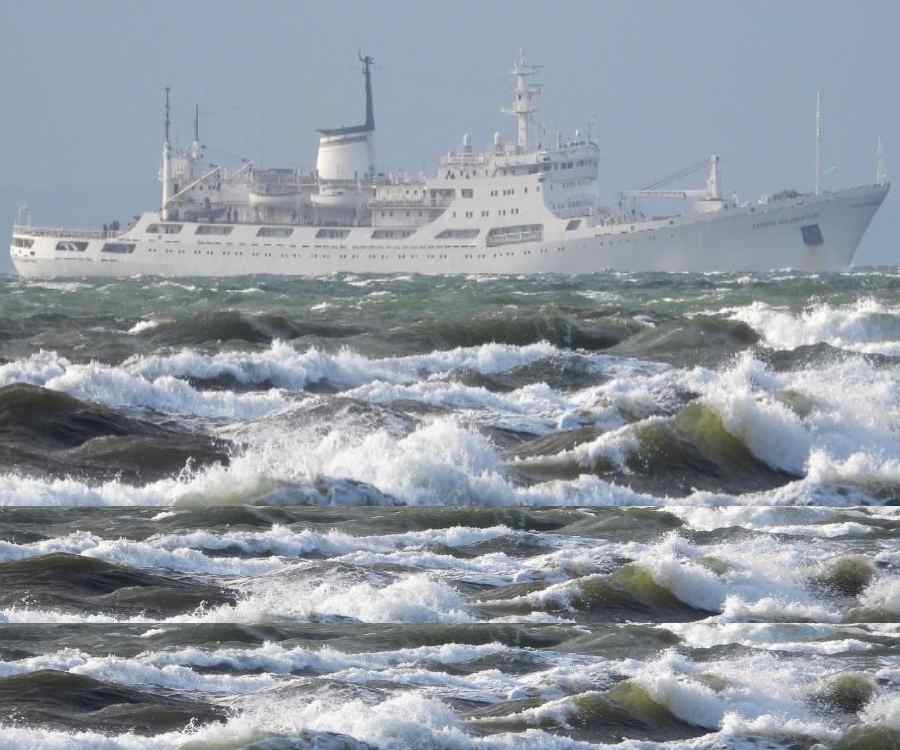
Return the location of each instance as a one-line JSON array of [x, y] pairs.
[[541, 404], [156, 381], [286, 367], [760, 695], [884, 594], [613, 447], [116, 386], [762, 691], [811, 638], [415, 598], [804, 521], [144, 325], [884, 710], [59, 286], [140, 555], [846, 432], [440, 463], [760, 579], [137, 671], [866, 325], [847, 438], [281, 540], [277, 659]]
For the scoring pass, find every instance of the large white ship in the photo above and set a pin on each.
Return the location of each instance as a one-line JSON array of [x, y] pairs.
[[529, 205]]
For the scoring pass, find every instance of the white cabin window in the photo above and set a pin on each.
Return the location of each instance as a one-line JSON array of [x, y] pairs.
[[512, 234], [217, 229], [333, 234], [275, 232], [118, 247], [164, 228], [468, 193], [392, 234], [457, 234]]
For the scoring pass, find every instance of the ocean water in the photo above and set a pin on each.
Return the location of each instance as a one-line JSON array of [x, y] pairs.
[[619, 510]]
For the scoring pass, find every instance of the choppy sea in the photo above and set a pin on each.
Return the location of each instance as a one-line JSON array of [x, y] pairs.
[[639, 511]]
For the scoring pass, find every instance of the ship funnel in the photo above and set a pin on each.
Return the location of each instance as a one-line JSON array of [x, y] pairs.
[[348, 153]]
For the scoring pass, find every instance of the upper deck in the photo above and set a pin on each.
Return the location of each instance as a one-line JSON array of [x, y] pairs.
[[27, 230]]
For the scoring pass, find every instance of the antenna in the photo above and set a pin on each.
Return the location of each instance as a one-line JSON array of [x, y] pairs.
[[819, 135], [23, 215], [165, 174], [713, 179], [196, 148], [881, 173], [167, 121], [367, 62]]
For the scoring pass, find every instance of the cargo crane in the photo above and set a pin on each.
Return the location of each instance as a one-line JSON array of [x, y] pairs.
[[708, 199]]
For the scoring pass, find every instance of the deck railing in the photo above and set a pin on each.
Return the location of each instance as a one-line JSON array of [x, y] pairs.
[[410, 203], [90, 234]]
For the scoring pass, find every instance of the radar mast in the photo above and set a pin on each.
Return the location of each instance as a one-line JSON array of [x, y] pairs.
[[525, 96], [166, 177], [196, 146]]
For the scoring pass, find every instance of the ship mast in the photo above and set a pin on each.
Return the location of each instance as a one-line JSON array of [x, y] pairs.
[[196, 148], [881, 172], [524, 99], [166, 158], [819, 135]]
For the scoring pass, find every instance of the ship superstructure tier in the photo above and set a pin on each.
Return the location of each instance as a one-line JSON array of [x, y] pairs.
[[525, 205]]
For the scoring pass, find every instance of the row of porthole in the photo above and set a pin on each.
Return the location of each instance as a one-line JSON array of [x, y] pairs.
[[485, 214], [468, 256], [356, 257]]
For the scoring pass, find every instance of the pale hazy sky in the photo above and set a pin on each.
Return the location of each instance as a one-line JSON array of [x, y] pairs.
[[666, 83]]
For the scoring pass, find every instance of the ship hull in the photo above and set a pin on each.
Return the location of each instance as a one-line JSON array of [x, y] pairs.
[[751, 238]]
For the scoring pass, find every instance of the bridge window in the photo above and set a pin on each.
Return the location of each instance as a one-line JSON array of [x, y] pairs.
[[24, 242], [71, 246], [164, 228]]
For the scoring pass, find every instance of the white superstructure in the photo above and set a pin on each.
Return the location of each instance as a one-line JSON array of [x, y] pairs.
[[521, 207]]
